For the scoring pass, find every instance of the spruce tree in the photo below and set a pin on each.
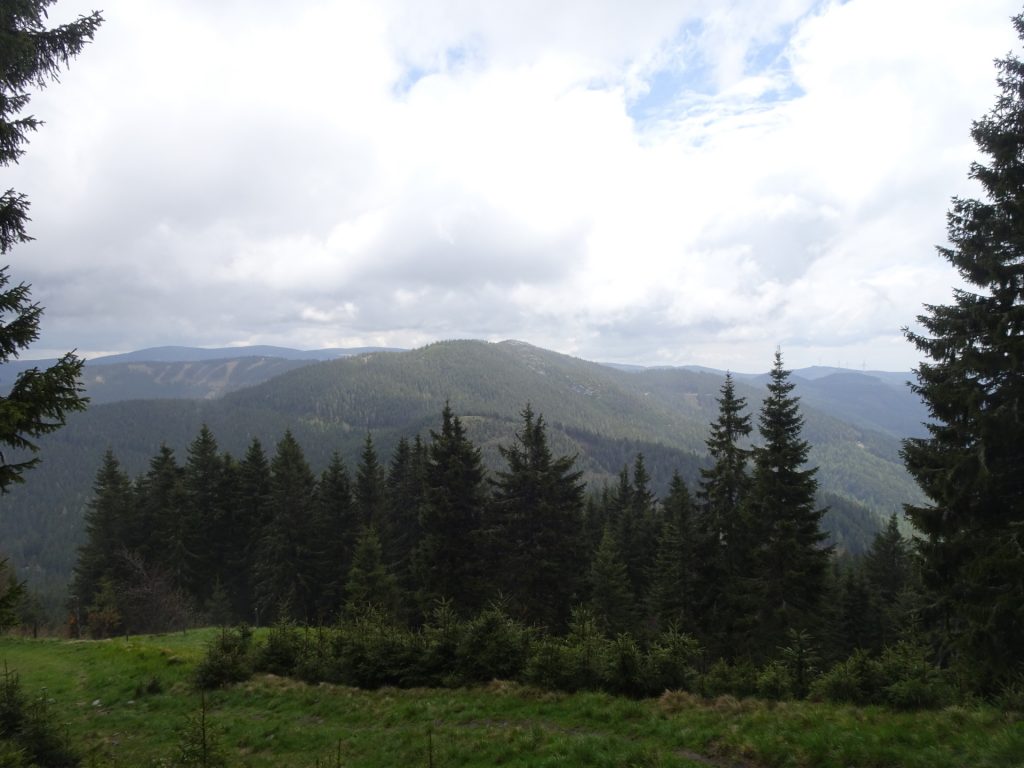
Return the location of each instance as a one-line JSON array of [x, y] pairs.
[[370, 584], [38, 401], [164, 535], [970, 464], [449, 561], [106, 520], [206, 515], [791, 558], [405, 499], [672, 589], [611, 594], [368, 489], [337, 530], [285, 567], [250, 503], [724, 543], [536, 527]]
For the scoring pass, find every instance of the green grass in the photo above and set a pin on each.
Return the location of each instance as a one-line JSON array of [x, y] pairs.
[[126, 703]]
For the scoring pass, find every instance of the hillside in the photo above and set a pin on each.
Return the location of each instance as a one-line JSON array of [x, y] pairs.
[[129, 702], [602, 414]]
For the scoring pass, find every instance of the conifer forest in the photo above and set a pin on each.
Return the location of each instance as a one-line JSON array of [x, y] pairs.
[[664, 551]]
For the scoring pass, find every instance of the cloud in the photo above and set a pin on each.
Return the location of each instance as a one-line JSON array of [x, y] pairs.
[[666, 182]]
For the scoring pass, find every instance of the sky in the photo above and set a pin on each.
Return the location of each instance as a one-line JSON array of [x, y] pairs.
[[647, 182]]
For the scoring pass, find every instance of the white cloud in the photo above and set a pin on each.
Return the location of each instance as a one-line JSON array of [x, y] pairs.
[[664, 182]]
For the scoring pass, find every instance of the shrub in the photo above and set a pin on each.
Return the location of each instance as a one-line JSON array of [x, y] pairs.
[[586, 652], [901, 677], [29, 735], [279, 653], [908, 680], [848, 681], [626, 668], [1011, 696], [549, 665], [228, 660], [492, 646], [371, 651], [736, 679], [775, 681], [670, 662], [440, 641]]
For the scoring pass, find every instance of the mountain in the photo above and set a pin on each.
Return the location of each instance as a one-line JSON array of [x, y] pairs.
[[196, 354], [186, 372], [603, 415]]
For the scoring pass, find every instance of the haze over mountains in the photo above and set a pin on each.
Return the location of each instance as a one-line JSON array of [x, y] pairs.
[[330, 399]]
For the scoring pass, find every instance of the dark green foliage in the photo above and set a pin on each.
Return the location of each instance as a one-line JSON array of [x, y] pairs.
[[775, 681], [405, 499], [902, 677], [800, 658], [336, 528], [370, 583], [535, 528], [969, 466], [38, 401], [107, 521], [671, 662], [29, 733], [12, 595], [611, 594], [369, 488], [249, 504], [41, 530], [284, 572], [228, 660], [724, 542], [199, 744], [207, 525], [449, 558], [634, 519], [790, 555], [576, 662], [492, 646], [280, 653], [674, 575], [737, 678], [159, 502]]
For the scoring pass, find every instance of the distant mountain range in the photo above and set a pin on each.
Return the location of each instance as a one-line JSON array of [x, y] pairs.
[[880, 400], [602, 413]]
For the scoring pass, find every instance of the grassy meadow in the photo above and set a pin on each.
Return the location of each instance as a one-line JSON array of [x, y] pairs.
[[130, 702]]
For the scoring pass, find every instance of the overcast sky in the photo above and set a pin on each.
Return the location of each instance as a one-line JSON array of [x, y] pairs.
[[646, 182]]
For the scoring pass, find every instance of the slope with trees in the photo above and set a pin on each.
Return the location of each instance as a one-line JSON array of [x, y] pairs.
[[37, 401], [970, 464]]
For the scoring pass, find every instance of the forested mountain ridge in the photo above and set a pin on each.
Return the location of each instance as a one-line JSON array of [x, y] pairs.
[[186, 372], [602, 414]]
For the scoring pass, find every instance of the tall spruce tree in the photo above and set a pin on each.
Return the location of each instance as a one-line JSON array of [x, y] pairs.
[[970, 465], [337, 527], [536, 527], [284, 573], [164, 535], [251, 511], [724, 542], [369, 487], [405, 500], [449, 561], [672, 594], [38, 401], [791, 558], [370, 584], [106, 520], [611, 593], [206, 514]]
